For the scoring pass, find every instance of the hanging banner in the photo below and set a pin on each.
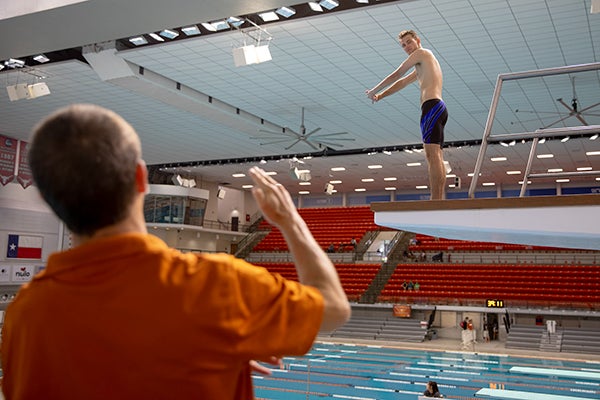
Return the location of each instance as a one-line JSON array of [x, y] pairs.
[[24, 174], [8, 159]]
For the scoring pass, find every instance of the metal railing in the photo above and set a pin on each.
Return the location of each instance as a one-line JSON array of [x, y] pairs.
[[536, 135]]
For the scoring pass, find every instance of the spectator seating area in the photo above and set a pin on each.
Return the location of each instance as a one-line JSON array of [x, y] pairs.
[[355, 278], [328, 225], [521, 283], [529, 285], [429, 244]]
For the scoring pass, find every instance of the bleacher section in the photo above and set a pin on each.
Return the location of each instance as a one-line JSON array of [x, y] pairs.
[[517, 285], [355, 278], [328, 225], [382, 328], [535, 282]]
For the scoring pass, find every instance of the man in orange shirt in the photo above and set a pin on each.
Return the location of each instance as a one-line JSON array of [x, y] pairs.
[[121, 315]]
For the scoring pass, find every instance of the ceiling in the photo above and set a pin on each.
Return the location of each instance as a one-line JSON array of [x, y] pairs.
[[321, 65]]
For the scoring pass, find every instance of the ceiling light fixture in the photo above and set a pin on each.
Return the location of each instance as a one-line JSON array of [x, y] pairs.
[[565, 139], [504, 144], [169, 33], [367, 180], [584, 168], [390, 179], [488, 184], [315, 6], [337, 169], [360, 190], [563, 180], [495, 159], [376, 166], [138, 40], [209, 27], [594, 137], [41, 58], [413, 164], [14, 63], [390, 188], [191, 30], [285, 12], [337, 182], [421, 187], [545, 156], [513, 172], [329, 4], [253, 48], [220, 25], [553, 170], [156, 37], [235, 21], [269, 16], [592, 153], [542, 140]]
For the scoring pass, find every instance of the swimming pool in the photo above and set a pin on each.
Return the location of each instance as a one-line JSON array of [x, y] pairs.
[[350, 371]]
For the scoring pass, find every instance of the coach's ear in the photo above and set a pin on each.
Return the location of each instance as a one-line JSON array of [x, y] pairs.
[[141, 177]]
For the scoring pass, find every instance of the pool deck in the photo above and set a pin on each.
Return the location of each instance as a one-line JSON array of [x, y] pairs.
[[494, 347]]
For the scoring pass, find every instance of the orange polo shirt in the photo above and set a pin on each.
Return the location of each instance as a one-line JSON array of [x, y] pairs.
[[126, 317]]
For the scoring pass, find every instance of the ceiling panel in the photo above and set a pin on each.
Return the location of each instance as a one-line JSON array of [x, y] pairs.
[[324, 64]]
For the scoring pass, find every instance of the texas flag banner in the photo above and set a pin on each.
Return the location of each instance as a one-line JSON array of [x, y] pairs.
[[20, 246]]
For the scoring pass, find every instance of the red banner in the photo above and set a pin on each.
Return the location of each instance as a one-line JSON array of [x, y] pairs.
[[8, 158], [24, 174]]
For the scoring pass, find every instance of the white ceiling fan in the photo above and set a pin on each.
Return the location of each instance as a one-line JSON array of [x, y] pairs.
[[316, 141]]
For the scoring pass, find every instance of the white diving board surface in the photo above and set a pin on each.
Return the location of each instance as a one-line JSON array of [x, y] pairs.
[[568, 221], [563, 373], [520, 395]]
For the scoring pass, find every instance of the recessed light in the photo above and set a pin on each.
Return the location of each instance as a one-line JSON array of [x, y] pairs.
[[584, 168], [521, 182], [390, 188], [594, 137], [335, 182], [138, 40], [337, 169], [304, 192], [238, 175], [498, 159], [545, 156], [304, 183], [513, 172], [268, 16], [421, 187], [592, 153], [41, 58], [169, 33], [315, 6], [247, 186], [156, 37], [329, 4], [564, 180], [551, 170], [368, 180], [488, 184], [390, 179], [285, 12], [360, 190], [413, 164], [375, 166], [191, 30]]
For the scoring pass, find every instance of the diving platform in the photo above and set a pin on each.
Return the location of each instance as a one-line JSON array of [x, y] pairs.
[[566, 221]]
